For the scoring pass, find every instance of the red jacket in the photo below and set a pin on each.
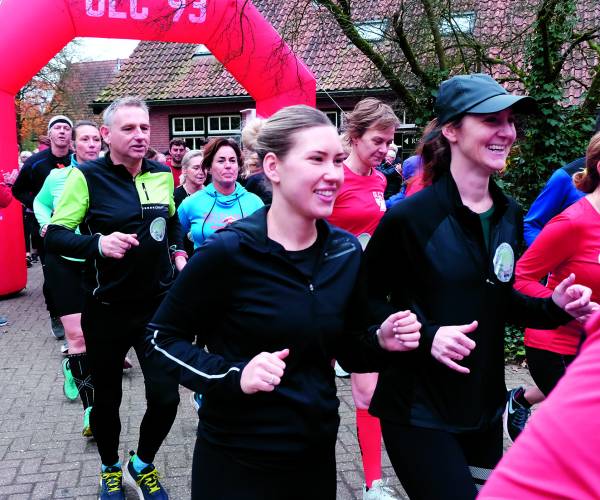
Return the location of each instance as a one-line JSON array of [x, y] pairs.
[[5, 195]]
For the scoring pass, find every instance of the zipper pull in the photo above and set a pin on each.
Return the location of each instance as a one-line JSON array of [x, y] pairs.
[[311, 287], [487, 280], [145, 192]]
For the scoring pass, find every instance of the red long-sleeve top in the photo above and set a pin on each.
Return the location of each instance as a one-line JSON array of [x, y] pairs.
[[569, 243]]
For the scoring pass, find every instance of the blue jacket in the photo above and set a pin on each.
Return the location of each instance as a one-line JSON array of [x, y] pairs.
[[207, 211], [558, 194]]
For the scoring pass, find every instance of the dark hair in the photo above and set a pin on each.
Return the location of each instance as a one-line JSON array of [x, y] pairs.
[[82, 123], [151, 154], [434, 149], [213, 146], [587, 181], [176, 142]]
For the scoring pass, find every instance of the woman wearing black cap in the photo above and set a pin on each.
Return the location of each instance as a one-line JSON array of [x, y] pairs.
[[441, 412]]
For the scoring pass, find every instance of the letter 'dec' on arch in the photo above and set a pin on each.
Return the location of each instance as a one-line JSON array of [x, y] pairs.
[[32, 32]]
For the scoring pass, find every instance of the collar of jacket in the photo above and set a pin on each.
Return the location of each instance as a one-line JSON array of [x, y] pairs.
[[252, 231], [449, 196], [146, 165]]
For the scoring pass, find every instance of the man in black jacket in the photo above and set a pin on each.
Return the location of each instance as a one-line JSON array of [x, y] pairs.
[[130, 234], [28, 184]]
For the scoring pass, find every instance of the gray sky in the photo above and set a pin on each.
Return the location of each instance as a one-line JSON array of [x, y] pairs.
[[102, 49]]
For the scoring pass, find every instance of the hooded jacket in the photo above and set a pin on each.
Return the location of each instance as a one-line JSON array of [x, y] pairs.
[[207, 211], [254, 298], [447, 275]]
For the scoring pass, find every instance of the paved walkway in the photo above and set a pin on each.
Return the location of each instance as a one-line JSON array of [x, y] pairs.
[[42, 452]]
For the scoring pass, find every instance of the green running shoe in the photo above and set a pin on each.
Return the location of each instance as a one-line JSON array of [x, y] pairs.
[[69, 386], [87, 430]]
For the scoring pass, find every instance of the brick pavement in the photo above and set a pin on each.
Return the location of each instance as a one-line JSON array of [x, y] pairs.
[[42, 452]]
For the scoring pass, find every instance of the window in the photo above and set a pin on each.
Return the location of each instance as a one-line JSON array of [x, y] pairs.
[[224, 124], [333, 117], [188, 125], [372, 31], [201, 50], [196, 130], [194, 142], [461, 22]]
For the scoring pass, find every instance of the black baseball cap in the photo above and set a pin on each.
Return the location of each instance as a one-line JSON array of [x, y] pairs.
[[475, 93]]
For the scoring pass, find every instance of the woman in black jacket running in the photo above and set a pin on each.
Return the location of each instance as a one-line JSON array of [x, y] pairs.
[[456, 240], [275, 296]]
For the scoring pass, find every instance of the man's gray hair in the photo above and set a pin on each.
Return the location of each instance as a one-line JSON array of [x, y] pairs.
[[123, 102]]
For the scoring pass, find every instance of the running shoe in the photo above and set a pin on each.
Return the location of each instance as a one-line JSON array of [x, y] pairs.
[[196, 400], [340, 372], [515, 415], [69, 386], [64, 349], [28, 261], [87, 430], [56, 327], [127, 365], [378, 491], [111, 484], [145, 483], [34, 257], [3, 321]]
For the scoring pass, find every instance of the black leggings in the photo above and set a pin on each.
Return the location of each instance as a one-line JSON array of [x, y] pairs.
[[438, 465], [217, 475], [547, 367], [109, 332]]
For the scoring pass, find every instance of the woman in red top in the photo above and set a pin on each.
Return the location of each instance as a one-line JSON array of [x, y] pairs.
[[358, 209], [569, 243]]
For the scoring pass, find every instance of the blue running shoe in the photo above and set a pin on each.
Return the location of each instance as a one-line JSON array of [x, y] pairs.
[[111, 484], [145, 483]]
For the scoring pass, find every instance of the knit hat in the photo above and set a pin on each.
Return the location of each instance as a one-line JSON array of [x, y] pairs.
[[475, 93], [59, 119]]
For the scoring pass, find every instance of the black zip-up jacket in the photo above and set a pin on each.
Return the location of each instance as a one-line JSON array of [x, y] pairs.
[[33, 174], [101, 198], [447, 276], [242, 295]]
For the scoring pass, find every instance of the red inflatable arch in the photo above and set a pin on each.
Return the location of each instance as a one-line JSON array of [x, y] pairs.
[[32, 32]]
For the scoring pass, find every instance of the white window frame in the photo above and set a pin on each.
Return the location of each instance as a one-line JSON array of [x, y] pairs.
[[334, 114], [373, 30], [185, 132], [462, 22], [221, 131]]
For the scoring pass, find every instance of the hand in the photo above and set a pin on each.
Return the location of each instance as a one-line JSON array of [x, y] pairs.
[[180, 262], [116, 244], [11, 177], [451, 344], [400, 332], [573, 299], [263, 372], [43, 230]]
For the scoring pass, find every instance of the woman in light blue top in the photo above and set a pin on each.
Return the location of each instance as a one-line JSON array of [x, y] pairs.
[[224, 200], [64, 274]]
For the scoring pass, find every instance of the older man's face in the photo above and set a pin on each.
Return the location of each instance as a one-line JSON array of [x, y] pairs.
[[128, 136]]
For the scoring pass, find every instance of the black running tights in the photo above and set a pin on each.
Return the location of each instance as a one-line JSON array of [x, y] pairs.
[[109, 332], [438, 465]]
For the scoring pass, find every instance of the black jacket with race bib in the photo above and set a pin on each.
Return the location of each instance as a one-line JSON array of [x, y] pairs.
[[101, 198], [447, 275]]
